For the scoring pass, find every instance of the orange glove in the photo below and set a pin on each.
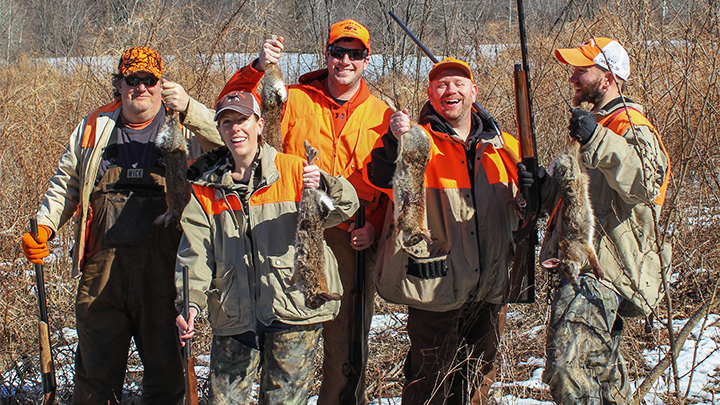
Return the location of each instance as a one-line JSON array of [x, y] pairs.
[[35, 247]]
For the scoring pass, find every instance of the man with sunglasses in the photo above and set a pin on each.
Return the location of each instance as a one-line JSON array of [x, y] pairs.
[[333, 109], [113, 176]]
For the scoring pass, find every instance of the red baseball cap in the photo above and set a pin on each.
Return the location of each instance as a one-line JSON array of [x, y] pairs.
[[349, 29]]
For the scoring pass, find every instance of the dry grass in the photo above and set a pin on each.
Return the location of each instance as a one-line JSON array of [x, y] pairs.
[[674, 75]]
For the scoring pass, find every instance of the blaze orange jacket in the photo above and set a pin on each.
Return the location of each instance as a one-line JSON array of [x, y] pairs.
[[344, 134]]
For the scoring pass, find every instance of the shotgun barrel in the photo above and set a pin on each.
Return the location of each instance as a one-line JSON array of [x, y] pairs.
[[358, 335]]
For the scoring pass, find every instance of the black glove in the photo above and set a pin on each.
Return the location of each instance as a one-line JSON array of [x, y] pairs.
[[582, 125], [525, 178]]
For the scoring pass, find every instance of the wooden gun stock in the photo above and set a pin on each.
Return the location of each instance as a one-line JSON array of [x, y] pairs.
[[191, 392], [521, 284], [47, 365]]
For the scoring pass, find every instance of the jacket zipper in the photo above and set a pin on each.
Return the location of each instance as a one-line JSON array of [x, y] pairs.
[[255, 255], [470, 156]]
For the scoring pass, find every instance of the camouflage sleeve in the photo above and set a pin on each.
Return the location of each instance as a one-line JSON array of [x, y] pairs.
[[196, 251], [634, 164]]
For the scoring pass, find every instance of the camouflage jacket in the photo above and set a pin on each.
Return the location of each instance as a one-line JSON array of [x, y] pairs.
[[240, 255]]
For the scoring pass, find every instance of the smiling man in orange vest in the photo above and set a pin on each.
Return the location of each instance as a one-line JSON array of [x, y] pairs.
[[629, 170]]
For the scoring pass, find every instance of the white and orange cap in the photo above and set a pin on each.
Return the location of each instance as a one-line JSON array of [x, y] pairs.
[[589, 54]]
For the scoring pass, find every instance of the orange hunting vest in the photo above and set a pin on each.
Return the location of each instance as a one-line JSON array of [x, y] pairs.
[[620, 123]]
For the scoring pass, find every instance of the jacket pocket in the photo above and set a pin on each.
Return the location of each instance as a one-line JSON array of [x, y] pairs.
[[289, 302], [227, 295]]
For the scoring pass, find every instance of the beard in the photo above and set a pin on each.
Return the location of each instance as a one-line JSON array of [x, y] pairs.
[[589, 93]]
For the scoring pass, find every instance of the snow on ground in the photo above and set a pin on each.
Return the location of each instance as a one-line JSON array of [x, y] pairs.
[[702, 349]]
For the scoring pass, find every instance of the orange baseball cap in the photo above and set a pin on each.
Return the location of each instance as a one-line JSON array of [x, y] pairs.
[[450, 62], [349, 29], [141, 59], [588, 54]]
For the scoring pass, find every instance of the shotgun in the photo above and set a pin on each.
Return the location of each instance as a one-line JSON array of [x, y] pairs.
[[47, 366], [521, 285], [191, 393], [354, 367]]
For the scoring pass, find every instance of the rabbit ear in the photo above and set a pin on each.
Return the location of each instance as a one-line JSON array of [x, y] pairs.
[[550, 263]]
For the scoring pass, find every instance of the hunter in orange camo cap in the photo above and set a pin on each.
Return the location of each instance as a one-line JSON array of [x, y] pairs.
[[349, 29], [141, 59]]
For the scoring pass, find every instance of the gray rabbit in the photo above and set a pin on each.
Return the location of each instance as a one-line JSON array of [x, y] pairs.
[[576, 220]]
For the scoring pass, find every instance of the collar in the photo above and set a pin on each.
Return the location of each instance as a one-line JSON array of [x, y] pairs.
[[317, 82]]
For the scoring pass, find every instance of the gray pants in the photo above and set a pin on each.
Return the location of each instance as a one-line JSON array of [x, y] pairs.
[[287, 360], [584, 365]]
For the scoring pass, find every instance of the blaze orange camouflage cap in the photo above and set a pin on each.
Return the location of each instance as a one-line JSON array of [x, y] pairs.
[[448, 63], [588, 54], [349, 29], [141, 59]]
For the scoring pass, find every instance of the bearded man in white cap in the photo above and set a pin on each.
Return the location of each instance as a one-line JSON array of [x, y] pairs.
[[629, 169]]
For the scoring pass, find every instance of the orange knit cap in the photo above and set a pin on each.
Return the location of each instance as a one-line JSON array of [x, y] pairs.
[[141, 59]]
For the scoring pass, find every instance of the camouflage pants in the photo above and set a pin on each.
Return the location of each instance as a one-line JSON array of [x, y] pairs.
[[584, 365], [287, 360]]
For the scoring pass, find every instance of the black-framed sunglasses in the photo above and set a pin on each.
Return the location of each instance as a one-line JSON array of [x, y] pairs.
[[340, 52], [133, 81]]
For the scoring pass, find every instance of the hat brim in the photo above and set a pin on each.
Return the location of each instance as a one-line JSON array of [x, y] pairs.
[[573, 56], [450, 65], [246, 112], [351, 36]]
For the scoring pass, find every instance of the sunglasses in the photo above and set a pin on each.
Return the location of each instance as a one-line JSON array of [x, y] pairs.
[[133, 81], [354, 54]]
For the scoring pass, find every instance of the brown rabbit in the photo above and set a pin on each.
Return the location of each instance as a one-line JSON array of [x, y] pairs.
[[576, 222], [273, 95], [309, 274], [173, 146], [409, 186]]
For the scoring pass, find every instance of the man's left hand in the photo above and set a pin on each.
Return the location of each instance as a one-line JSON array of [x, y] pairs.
[[175, 96], [361, 239]]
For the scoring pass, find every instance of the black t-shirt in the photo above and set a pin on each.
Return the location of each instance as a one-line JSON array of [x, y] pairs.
[[133, 148]]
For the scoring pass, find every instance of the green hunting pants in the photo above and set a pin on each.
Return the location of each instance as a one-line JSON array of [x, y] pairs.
[[584, 365], [287, 361]]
